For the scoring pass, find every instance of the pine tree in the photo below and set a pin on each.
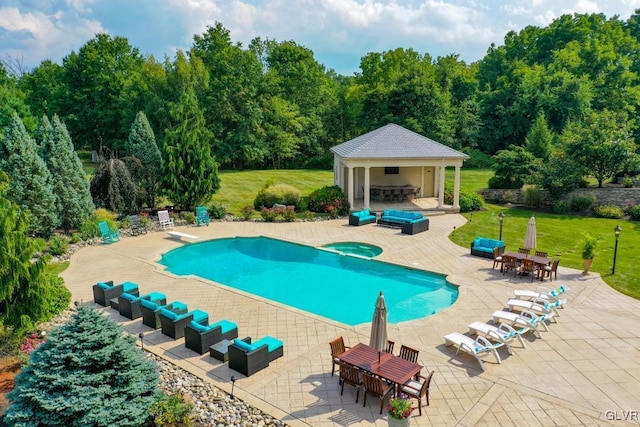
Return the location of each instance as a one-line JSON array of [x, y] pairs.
[[43, 136], [112, 187], [30, 183], [539, 139], [70, 183], [141, 145], [87, 373], [191, 170]]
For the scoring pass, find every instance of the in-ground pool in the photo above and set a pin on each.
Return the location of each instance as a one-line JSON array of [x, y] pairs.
[[355, 248], [339, 287]]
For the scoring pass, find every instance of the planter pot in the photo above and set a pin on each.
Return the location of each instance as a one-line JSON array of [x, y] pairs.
[[394, 422], [586, 263]]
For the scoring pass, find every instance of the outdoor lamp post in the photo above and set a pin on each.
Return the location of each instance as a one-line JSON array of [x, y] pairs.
[[617, 230], [141, 336], [501, 217]]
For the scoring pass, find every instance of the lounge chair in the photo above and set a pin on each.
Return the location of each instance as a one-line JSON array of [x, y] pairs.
[[502, 333], [165, 220], [523, 320], [199, 337], [130, 305], [151, 311], [474, 347], [249, 358], [537, 306], [104, 292], [544, 294], [173, 324], [108, 235], [202, 216], [136, 225]]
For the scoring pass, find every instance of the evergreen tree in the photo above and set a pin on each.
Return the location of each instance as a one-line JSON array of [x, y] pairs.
[[87, 373], [24, 291], [539, 139], [70, 183], [43, 136], [31, 184], [191, 170], [112, 187], [141, 145]]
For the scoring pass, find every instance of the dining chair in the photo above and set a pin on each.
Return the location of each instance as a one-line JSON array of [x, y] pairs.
[[351, 375], [337, 348], [542, 254], [377, 387], [551, 270], [510, 263], [389, 347], [497, 258], [524, 251], [408, 353], [417, 388], [528, 267]]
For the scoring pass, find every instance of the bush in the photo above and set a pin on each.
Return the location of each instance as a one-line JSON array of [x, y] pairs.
[[561, 207], [268, 214], [533, 196], [217, 211], [604, 211], [582, 203], [326, 199], [477, 159], [89, 229], [468, 202], [172, 410], [628, 183], [75, 238], [58, 245], [281, 194], [60, 297], [635, 212], [189, 217], [247, 212]]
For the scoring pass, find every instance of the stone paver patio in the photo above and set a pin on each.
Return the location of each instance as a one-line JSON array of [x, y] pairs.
[[585, 370]]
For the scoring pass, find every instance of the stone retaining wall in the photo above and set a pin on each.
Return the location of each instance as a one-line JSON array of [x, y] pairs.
[[611, 196]]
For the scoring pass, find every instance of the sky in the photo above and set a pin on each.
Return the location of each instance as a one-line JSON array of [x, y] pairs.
[[339, 32]]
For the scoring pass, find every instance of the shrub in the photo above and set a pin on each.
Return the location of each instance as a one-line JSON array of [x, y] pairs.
[[561, 207], [189, 217], [582, 203], [605, 211], [330, 198], [89, 229], [589, 245], [628, 183], [533, 196], [289, 214], [58, 245], [268, 214], [75, 238], [468, 202], [217, 211], [60, 296], [635, 212], [281, 194], [172, 410], [477, 159], [247, 212]]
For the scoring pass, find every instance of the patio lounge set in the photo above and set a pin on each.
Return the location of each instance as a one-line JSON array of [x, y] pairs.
[[175, 320], [408, 222]]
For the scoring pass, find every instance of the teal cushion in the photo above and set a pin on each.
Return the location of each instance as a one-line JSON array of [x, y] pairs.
[[157, 296], [148, 304], [103, 285], [130, 297], [243, 345], [198, 327], [179, 305], [199, 315], [271, 342], [168, 314], [225, 326], [129, 286]]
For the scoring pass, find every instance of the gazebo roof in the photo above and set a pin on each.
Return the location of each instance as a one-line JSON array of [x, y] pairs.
[[395, 142]]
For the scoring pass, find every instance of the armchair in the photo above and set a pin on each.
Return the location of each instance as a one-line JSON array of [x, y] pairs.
[[130, 305], [173, 324], [151, 311], [199, 337], [248, 358], [104, 292]]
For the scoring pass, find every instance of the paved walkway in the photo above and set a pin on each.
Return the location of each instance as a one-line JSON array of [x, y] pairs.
[[585, 370]]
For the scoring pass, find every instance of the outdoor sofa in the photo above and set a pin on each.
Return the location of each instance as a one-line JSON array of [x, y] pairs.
[[249, 358], [199, 337], [409, 222], [104, 292], [483, 246], [362, 217]]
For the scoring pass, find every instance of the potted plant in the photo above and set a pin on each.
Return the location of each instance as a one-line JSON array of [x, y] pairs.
[[588, 252], [399, 411]]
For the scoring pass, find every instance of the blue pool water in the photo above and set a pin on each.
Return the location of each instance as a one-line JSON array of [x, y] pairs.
[[339, 287], [355, 248]]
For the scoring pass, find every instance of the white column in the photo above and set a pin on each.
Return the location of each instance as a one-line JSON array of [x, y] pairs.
[[441, 188], [350, 189], [367, 192], [456, 189]]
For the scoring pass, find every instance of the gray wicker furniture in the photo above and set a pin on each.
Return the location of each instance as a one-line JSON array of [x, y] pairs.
[[130, 305], [151, 312], [249, 358], [173, 324], [200, 338], [104, 292]]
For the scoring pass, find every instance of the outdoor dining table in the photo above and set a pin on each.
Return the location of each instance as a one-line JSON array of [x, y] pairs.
[[540, 261], [379, 363]]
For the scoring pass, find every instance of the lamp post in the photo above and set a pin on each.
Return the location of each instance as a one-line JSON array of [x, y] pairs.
[[617, 230], [233, 384], [141, 336], [501, 217]]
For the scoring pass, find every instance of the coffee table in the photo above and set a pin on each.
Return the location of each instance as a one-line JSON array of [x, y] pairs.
[[220, 350]]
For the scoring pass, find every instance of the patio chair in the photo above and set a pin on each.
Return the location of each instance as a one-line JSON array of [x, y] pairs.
[[523, 320], [129, 305], [136, 226], [542, 254], [377, 387], [528, 267], [165, 220], [108, 235], [551, 271], [104, 292], [510, 263], [173, 324], [502, 333], [525, 251], [497, 258], [417, 388], [536, 306], [389, 347], [151, 311], [349, 374], [473, 347], [202, 216], [337, 348], [408, 353], [248, 358], [199, 337], [542, 293]]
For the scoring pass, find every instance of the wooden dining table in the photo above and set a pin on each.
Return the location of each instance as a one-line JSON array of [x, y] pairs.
[[540, 261], [384, 365]]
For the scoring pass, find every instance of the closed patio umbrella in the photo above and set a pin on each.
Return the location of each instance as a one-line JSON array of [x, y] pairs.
[[530, 236], [378, 338]]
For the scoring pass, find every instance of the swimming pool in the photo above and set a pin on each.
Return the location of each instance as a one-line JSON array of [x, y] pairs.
[[356, 248], [342, 288]]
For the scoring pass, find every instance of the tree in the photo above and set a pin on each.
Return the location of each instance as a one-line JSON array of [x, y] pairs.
[[70, 183], [512, 168], [559, 175], [25, 294], [191, 172], [113, 188], [141, 145], [539, 138], [87, 373], [31, 185], [601, 144]]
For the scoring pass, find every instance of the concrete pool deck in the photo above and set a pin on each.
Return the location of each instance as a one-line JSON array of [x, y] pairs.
[[585, 370]]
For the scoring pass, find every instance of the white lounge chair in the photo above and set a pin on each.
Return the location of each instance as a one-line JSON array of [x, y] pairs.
[[538, 306], [524, 320], [474, 347], [165, 220], [548, 295], [502, 333]]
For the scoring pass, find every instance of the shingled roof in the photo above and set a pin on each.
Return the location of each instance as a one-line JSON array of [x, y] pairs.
[[395, 142]]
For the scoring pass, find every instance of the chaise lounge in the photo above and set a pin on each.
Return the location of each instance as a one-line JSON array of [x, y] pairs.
[[482, 246], [104, 292], [362, 217], [473, 347], [409, 222], [130, 305], [249, 358], [199, 337]]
